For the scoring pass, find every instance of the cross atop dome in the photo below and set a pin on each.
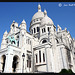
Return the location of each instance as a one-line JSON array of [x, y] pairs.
[[39, 7]]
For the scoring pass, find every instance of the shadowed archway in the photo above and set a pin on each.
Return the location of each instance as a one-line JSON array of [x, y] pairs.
[[15, 63], [3, 58]]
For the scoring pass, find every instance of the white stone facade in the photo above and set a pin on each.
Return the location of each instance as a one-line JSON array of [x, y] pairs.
[[43, 49]]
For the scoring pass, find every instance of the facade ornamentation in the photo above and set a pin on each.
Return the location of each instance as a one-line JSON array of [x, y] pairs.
[[43, 49]]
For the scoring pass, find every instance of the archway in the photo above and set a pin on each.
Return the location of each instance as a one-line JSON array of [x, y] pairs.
[[3, 58], [15, 63]]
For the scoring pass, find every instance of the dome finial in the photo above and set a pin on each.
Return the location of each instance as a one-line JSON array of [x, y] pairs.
[[23, 21], [45, 12], [13, 21], [39, 7]]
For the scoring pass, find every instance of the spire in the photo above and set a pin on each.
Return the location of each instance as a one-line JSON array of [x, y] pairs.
[[23, 21], [45, 13], [73, 38], [39, 7], [68, 32], [65, 28], [13, 21], [5, 33]]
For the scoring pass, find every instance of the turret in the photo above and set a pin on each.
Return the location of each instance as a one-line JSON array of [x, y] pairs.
[[4, 43], [59, 28], [22, 33], [13, 27], [23, 25]]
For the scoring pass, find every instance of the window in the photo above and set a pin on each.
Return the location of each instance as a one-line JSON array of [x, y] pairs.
[[7, 41], [43, 30], [48, 29], [13, 42], [40, 56], [57, 40], [43, 57], [17, 36], [18, 43], [28, 41], [34, 30], [44, 41], [13, 25], [34, 20], [36, 59], [37, 29], [37, 19], [27, 63]]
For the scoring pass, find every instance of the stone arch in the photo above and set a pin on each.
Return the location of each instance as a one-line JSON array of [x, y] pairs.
[[15, 63], [44, 40], [3, 59]]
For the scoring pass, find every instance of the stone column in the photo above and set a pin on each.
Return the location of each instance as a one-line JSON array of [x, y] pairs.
[[0, 65], [9, 60], [49, 59]]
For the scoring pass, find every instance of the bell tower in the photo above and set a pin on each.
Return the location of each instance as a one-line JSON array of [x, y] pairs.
[[22, 33]]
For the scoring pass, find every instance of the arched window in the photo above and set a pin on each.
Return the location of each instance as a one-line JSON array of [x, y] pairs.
[[57, 40], [36, 58], [34, 30], [44, 41], [13, 42], [17, 36], [28, 41], [37, 29], [3, 62], [18, 43], [40, 56], [27, 63], [15, 63], [48, 29], [43, 30], [13, 26], [43, 57]]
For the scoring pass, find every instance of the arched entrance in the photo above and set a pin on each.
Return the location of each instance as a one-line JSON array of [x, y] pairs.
[[3, 58], [15, 63]]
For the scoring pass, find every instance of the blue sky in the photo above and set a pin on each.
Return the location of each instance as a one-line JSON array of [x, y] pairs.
[[64, 15]]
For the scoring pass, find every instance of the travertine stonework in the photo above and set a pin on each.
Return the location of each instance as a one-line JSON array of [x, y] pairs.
[[45, 48]]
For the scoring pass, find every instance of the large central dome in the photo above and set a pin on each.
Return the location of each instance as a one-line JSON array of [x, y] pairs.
[[38, 14]]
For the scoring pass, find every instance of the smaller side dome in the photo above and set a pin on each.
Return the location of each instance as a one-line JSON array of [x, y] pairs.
[[46, 19]]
